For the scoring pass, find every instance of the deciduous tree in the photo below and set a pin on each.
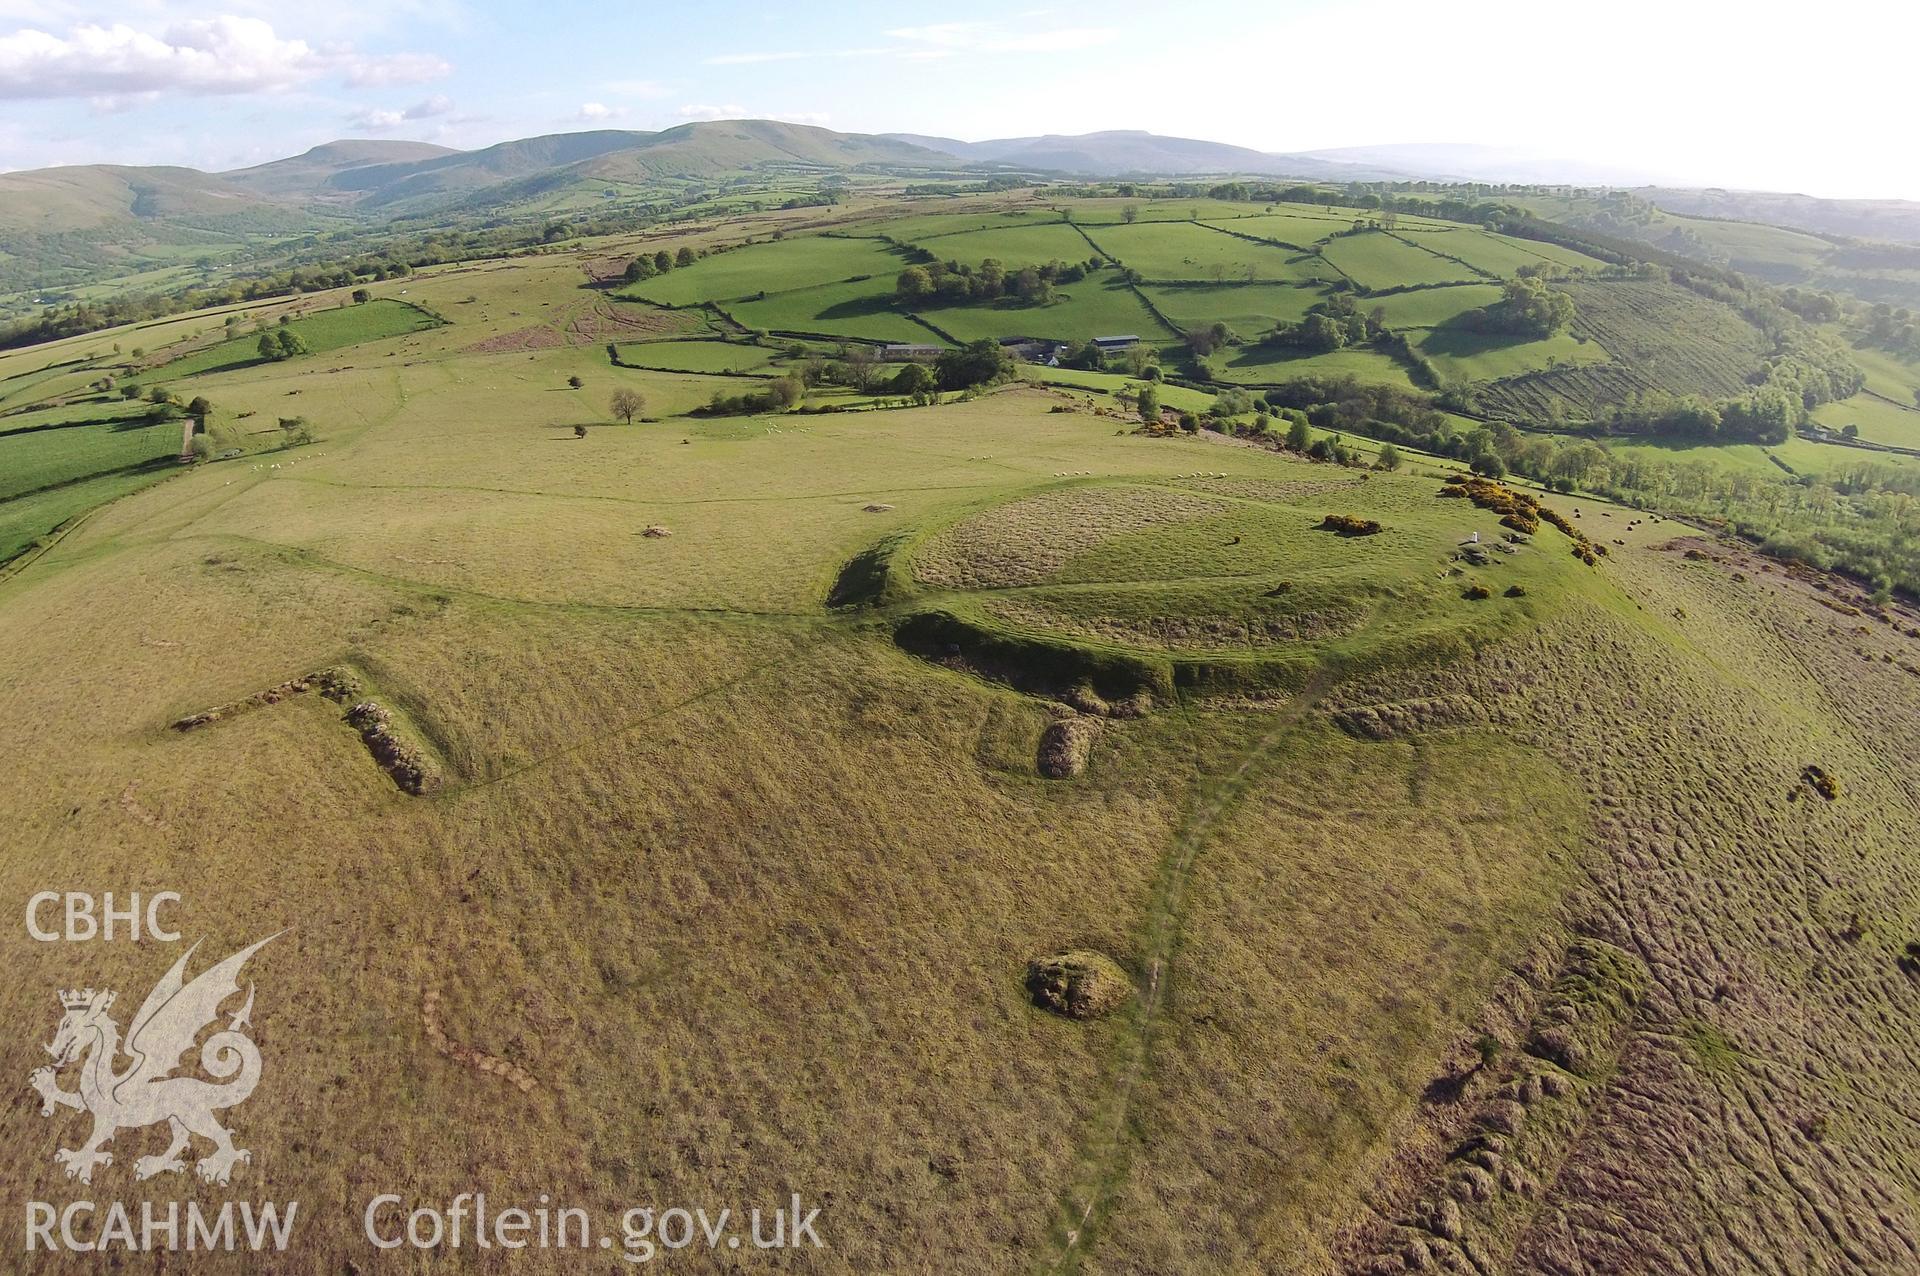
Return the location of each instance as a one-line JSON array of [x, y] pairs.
[[628, 404]]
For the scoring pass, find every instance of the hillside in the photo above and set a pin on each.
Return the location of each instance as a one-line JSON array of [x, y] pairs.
[[310, 174], [59, 201], [1124, 152], [1897, 220], [689, 152], [1023, 826]]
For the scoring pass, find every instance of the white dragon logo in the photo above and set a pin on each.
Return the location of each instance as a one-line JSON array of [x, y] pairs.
[[169, 1020]]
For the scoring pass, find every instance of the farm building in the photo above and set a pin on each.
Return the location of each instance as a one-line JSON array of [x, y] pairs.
[[1110, 344], [1031, 350], [908, 351]]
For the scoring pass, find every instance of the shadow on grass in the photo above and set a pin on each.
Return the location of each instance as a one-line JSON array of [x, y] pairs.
[[1459, 338], [859, 308]]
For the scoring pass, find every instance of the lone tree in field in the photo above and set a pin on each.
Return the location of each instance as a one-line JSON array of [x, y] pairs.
[[684, 257], [627, 404], [1299, 435], [915, 381], [788, 390], [1150, 406], [1389, 457], [863, 367]]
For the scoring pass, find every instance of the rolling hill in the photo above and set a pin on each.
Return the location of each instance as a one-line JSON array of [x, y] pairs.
[[1121, 152], [89, 196], [313, 173], [702, 149]]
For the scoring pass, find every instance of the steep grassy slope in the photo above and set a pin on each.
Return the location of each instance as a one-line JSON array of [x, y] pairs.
[[313, 173], [90, 196]]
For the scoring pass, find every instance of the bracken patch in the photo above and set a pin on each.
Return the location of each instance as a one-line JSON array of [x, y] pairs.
[[1078, 984]]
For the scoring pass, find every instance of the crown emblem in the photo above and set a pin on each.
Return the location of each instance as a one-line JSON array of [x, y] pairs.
[[81, 998]]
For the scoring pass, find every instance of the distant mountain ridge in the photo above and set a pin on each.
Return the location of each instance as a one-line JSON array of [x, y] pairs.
[[300, 175], [384, 174], [1132, 152], [64, 226]]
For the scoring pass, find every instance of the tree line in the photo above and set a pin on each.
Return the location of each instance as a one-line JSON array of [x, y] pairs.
[[957, 283]]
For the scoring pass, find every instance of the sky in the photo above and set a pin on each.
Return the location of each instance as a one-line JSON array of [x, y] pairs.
[[1763, 95]]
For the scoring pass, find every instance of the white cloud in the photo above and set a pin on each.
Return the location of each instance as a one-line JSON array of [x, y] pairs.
[[939, 40], [221, 55], [374, 119], [597, 111], [391, 68], [731, 111]]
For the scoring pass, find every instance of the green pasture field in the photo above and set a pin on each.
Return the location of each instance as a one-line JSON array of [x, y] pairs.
[[1098, 306], [25, 381], [1754, 247], [26, 519], [322, 330], [1179, 398], [1741, 458], [1465, 355], [1375, 259], [1888, 375], [783, 265], [862, 309], [699, 356], [45, 458], [1303, 228], [1809, 457], [1500, 255], [111, 407], [1262, 365], [1880, 420], [1185, 251], [1431, 307], [928, 230], [1248, 309], [1112, 210], [1013, 246]]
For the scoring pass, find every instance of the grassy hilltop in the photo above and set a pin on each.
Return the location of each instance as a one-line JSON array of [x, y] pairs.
[[1493, 875]]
